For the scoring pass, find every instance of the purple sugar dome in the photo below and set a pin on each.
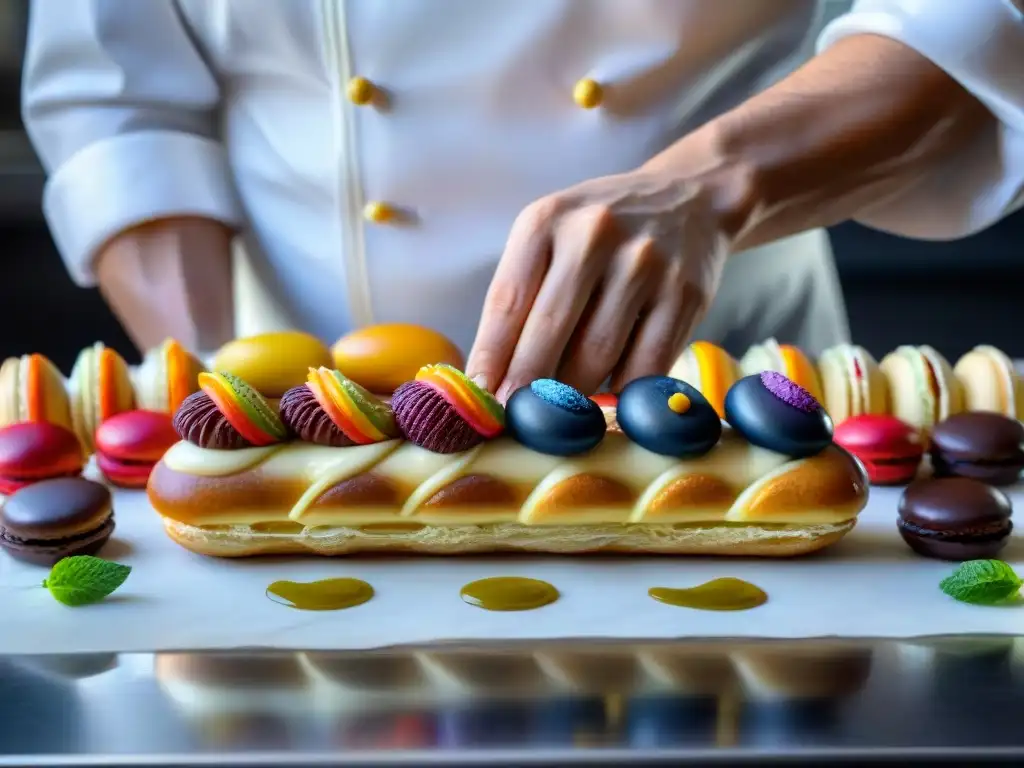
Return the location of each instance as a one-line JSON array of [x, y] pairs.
[[773, 413], [789, 392]]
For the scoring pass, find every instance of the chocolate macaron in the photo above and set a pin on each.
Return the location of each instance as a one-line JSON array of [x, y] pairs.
[[983, 446], [954, 518], [53, 519]]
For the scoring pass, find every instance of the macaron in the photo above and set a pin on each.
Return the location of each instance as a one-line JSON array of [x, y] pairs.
[[272, 363], [130, 444], [922, 388], [32, 389], [33, 451], [954, 518], [381, 358], [786, 359], [990, 382], [100, 387], [851, 383], [890, 450], [168, 374], [48, 521], [709, 369], [984, 446]]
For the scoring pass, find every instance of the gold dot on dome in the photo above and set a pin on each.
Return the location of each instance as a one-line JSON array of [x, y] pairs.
[[588, 93], [679, 403], [378, 212], [360, 91]]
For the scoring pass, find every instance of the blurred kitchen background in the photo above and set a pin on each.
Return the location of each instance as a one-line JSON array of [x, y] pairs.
[[949, 295]]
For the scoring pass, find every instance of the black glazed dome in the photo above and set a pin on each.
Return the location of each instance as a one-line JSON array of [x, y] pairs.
[[550, 417], [774, 413], [647, 418]]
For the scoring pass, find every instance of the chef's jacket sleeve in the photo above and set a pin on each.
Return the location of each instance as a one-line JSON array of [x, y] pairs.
[[121, 108], [980, 43]]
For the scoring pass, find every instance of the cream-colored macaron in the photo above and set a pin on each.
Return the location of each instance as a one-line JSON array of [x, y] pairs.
[[922, 387], [851, 383], [990, 382]]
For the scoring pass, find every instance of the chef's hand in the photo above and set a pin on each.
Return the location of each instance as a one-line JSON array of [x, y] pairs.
[[607, 278]]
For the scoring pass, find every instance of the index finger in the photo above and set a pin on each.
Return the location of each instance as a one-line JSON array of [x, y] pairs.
[[512, 292]]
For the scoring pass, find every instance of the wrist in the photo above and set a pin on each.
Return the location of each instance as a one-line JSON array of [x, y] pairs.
[[712, 160]]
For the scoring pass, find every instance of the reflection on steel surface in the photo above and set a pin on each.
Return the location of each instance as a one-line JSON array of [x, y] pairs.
[[530, 700]]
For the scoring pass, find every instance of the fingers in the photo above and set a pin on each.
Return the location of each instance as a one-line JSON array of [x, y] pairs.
[[511, 295], [661, 334], [582, 249], [601, 339]]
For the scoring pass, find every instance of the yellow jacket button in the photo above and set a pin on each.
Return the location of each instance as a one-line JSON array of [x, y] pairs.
[[378, 213], [360, 91], [588, 93]]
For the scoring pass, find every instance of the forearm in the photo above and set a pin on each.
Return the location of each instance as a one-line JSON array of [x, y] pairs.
[[855, 126], [171, 278]]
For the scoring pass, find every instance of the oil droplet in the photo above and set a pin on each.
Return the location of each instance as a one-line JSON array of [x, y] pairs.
[[325, 595], [509, 593], [717, 595]]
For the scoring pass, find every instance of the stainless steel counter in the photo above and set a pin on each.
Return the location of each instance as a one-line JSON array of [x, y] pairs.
[[560, 704]]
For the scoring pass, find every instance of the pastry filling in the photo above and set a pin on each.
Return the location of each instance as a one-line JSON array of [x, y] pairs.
[[895, 462], [991, 532]]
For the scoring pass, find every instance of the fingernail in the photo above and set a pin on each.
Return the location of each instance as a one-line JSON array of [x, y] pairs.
[[480, 380]]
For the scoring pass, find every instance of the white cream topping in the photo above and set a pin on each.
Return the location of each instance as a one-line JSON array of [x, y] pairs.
[[190, 459]]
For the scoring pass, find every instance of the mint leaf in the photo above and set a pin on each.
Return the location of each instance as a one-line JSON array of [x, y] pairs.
[[83, 579], [982, 582]]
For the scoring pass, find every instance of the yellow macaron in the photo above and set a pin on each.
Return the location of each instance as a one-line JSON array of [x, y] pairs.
[[273, 363], [990, 382]]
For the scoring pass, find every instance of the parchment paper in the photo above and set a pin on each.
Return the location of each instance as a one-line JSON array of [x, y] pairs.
[[870, 584]]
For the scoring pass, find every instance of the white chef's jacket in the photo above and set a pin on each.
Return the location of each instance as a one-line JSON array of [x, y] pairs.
[[243, 111]]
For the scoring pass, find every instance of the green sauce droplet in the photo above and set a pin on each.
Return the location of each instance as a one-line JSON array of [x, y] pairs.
[[718, 595], [325, 595], [509, 593]]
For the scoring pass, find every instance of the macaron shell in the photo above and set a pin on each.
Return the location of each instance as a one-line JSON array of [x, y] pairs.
[[47, 393], [136, 436], [83, 384], [38, 450], [57, 509], [124, 474], [874, 436], [183, 370], [150, 382], [114, 393], [766, 356], [835, 386], [798, 368], [914, 401], [949, 395], [718, 372], [989, 382]]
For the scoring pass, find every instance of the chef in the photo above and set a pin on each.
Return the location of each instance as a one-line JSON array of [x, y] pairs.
[[565, 187]]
